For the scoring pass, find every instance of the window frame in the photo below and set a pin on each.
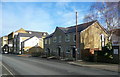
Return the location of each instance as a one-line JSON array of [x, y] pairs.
[[67, 37], [60, 38], [74, 37]]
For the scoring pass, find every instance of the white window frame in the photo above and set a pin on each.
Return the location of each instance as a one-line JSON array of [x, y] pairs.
[[49, 40], [74, 36], [67, 37], [60, 39], [102, 40], [45, 41], [55, 39]]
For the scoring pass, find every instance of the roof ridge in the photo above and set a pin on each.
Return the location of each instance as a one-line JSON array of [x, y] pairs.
[[83, 23], [36, 31]]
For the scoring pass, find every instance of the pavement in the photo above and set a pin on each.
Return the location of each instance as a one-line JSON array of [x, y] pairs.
[[98, 65], [39, 66], [24, 55]]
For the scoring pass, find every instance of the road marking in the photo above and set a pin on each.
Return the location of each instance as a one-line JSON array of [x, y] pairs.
[[8, 70]]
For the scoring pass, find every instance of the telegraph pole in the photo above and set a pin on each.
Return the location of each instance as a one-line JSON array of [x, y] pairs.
[[77, 40]]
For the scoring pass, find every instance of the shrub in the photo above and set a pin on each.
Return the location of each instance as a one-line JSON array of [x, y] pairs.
[[35, 54]]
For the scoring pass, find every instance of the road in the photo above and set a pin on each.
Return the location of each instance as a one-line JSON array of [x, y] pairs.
[[38, 66], [3, 69]]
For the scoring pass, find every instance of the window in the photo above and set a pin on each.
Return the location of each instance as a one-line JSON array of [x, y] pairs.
[[74, 37], [54, 39], [44, 34], [30, 32], [59, 38], [45, 41], [67, 50], [67, 38], [102, 39], [49, 40]]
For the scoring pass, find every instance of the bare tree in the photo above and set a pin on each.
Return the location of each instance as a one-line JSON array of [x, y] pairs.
[[106, 12]]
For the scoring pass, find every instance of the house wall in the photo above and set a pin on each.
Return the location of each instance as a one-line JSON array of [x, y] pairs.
[[14, 45], [4, 40], [66, 46], [90, 40], [54, 45], [34, 44], [116, 46], [91, 37], [17, 43], [10, 42]]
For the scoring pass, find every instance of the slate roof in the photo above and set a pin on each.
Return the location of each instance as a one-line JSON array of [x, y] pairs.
[[28, 39], [116, 32], [36, 33], [49, 36], [28, 35], [81, 27], [72, 29]]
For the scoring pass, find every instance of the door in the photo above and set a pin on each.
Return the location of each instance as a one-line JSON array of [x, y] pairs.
[[73, 53], [48, 52], [59, 49]]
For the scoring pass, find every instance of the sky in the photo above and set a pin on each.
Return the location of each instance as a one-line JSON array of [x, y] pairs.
[[41, 16]]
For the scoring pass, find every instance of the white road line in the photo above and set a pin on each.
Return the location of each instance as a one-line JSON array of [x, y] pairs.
[[8, 70]]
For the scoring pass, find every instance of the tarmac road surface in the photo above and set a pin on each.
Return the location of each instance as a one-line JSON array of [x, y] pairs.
[[38, 66]]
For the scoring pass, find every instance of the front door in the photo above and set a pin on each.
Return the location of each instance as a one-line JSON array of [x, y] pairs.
[[48, 52], [73, 53], [59, 51]]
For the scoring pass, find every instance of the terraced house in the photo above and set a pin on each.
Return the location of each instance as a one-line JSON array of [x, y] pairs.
[[20, 36], [62, 42]]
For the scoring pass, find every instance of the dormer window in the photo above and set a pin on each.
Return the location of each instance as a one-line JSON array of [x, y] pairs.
[[16, 33], [30, 32], [44, 34]]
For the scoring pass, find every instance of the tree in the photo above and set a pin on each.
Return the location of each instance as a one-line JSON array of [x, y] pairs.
[[106, 12]]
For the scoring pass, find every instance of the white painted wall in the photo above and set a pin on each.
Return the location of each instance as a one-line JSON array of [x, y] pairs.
[[34, 41]]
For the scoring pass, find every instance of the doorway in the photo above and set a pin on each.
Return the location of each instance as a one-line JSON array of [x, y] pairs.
[[48, 52], [73, 53], [59, 50]]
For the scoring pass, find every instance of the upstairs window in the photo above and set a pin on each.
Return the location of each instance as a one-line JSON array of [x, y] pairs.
[[45, 41], [74, 37], [60, 38], [49, 41], [54, 39], [67, 38]]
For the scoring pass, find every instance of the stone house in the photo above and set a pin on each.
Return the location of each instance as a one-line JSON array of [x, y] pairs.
[[62, 42]]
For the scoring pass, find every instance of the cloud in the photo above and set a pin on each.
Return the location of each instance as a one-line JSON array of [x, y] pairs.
[[40, 16], [50, 0], [0, 19], [68, 13], [27, 17]]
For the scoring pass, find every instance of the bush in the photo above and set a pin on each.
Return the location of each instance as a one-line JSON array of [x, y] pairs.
[[35, 54]]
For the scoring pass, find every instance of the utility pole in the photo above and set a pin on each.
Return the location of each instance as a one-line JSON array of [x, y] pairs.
[[77, 40]]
